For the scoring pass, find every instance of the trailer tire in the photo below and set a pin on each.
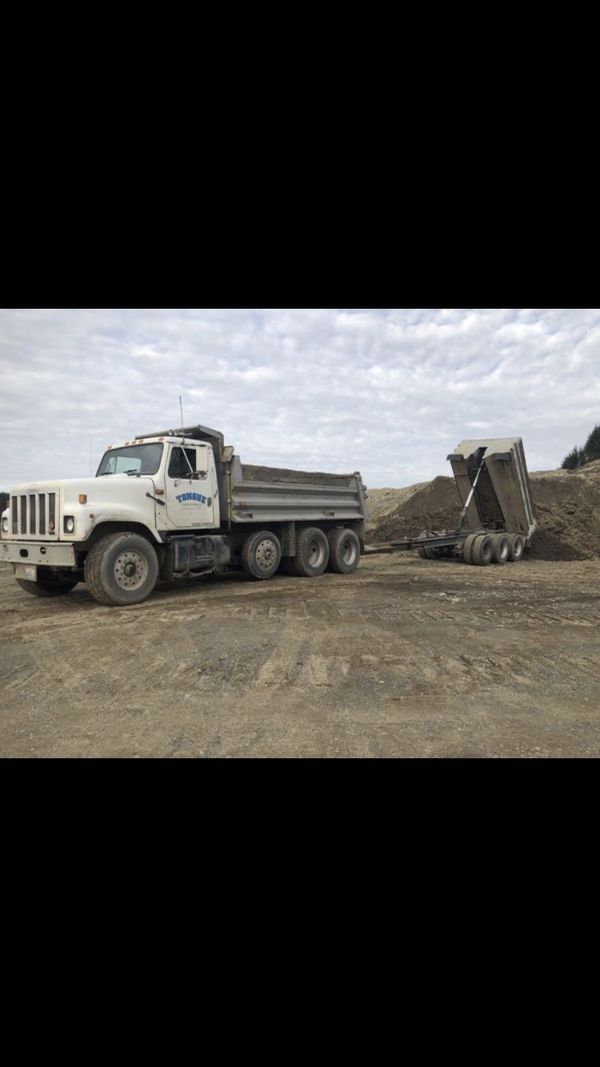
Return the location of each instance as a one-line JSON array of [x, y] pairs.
[[483, 551], [312, 553], [344, 551], [468, 548], [121, 570], [516, 548], [48, 584], [500, 543]]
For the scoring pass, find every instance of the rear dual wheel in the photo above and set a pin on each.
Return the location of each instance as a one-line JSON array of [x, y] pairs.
[[516, 548], [338, 551], [500, 548], [312, 554], [483, 549], [315, 552], [468, 548], [344, 551]]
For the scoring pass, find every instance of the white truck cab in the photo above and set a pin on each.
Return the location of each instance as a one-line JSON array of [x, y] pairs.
[[160, 483], [181, 476]]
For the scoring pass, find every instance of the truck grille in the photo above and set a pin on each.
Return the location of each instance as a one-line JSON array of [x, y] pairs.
[[34, 515]]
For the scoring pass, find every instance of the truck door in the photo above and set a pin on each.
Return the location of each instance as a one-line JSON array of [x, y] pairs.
[[189, 499]]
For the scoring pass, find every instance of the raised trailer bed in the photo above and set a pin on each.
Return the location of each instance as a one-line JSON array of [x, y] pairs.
[[497, 522]]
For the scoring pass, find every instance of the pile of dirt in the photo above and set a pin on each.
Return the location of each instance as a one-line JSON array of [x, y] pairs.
[[567, 505]]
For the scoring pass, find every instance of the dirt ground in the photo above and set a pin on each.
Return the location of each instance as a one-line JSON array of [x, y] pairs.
[[404, 658]]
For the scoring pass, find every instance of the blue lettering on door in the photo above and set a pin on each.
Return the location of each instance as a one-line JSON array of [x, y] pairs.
[[185, 498]]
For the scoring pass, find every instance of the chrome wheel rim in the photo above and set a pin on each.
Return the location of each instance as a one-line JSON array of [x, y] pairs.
[[131, 570]]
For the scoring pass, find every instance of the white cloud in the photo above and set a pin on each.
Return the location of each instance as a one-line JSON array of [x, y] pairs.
[[389, 391]]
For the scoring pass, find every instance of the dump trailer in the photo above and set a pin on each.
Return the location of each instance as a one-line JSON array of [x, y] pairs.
[[175, 503], [497, 522]]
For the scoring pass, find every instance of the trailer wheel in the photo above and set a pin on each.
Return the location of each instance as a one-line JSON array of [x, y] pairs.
[[344, 551], [483, 551], [48, 584], [261, 555], [516, 548], [121, 570], [500, 545], [468, 548], [312, 553]]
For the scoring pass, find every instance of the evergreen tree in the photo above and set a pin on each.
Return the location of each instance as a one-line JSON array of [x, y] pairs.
[[592, 445], [571, 462]]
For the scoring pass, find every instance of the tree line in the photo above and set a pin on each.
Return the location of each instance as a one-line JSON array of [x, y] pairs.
[[578, 456]]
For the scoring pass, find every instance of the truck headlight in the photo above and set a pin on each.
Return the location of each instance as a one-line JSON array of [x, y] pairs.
[[69, 524], [5, 525]]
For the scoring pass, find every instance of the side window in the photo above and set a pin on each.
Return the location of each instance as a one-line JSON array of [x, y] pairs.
[[179, 466]]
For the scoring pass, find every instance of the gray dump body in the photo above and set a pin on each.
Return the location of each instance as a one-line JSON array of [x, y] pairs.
[[502, 497], [269, 494]]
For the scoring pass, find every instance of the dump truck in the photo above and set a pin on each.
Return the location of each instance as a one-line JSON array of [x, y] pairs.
[[176, 503], [497, 522]]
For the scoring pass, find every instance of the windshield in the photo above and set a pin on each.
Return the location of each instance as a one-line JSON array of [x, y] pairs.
[[137, 459]]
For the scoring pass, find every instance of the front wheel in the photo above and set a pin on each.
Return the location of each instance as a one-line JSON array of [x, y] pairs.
[[121, 570], [48, 584]]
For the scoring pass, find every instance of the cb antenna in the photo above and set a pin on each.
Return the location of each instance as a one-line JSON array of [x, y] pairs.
[[181, 410]]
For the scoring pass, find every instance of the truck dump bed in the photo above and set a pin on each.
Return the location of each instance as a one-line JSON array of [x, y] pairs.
[[270, 494], [502, 497]]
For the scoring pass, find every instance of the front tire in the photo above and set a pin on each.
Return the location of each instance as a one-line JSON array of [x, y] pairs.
[[121, 570], [48, 584]]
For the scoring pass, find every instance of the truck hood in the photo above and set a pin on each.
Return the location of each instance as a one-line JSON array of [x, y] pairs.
[[117, 498], [92, 487]]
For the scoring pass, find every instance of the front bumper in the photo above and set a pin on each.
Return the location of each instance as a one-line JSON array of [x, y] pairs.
[[44, 554]]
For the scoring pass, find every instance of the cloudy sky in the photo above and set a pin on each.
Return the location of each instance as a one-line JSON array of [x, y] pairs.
[[388, 391]]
